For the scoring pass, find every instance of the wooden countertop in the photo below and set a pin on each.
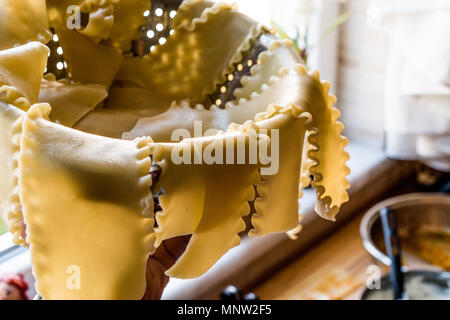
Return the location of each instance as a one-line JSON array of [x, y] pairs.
[[334, 269]]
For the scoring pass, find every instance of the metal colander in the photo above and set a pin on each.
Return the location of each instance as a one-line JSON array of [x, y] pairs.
[[155, 32]]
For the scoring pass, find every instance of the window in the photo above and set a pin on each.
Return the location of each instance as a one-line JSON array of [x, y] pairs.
[[258, 10], [310, 23], [5, 238]]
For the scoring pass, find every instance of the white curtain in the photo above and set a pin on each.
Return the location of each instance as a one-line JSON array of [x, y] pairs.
[[417, 85]]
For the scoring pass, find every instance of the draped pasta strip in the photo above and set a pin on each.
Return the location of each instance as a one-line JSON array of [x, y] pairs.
[[122, 110], [325, 154], [102, 191], [21, 70], [108, 123], [57, 11], [70, 101], [188, 11], [290, 124], [101, 21], [136, 99], [100, 16], [291, 86], [22, 22], [128, 17], [113, 22], [191, 206], [305, 178], [328, 152], [10, 209]]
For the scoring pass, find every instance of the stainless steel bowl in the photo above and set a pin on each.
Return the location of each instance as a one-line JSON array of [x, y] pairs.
[[415, 211]]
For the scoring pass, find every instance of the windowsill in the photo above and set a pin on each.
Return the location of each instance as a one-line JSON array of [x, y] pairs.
[[248, 264]]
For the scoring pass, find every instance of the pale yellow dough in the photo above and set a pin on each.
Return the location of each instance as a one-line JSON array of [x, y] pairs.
[[10, 128], [70, 102], [209, 202], [22, 21], [113, 22], [57, 11], [87, 206], [99, 12], [279, 87], [325, 158], [128, 17], [21, 69], [122, 110], [190, 10], [273, 215], [87, 61], [101, 20], [136, 99], [19, 82], [187, 65]]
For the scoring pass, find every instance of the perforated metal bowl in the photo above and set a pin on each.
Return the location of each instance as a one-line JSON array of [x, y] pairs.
[[158, 26]]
